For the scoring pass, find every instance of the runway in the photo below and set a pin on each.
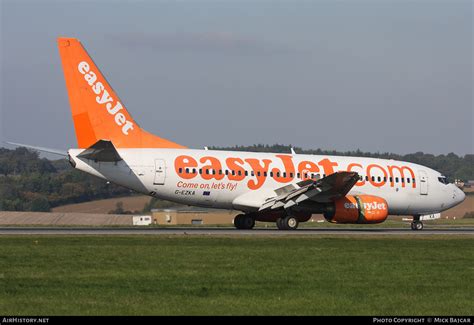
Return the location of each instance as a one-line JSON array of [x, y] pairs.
[[218, 231]]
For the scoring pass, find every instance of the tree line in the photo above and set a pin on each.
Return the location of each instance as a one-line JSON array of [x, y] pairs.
[[29, 183]]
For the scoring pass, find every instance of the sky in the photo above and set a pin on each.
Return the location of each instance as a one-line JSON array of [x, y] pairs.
[[379, 75]]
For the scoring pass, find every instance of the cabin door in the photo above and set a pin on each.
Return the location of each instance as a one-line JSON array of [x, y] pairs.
[[160, 172], [423, 182]]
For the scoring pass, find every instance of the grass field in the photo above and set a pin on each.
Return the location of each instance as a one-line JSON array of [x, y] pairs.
[[180, 275]]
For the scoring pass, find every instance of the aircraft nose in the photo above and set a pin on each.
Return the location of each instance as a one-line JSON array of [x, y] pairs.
[[458, 195]]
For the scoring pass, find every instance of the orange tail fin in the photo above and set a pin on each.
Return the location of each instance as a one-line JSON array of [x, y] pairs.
[[97, 111]]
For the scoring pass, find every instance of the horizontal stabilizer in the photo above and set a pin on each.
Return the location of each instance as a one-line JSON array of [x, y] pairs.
[[102, 150], [48, 150]]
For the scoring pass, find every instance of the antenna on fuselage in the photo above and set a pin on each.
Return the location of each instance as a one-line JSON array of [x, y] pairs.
[[292, 151]]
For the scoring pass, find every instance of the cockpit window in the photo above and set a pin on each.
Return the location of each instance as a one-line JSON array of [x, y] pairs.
[[443, 180]]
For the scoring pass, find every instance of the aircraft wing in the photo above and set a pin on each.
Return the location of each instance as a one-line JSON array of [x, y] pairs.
[[324, 190]]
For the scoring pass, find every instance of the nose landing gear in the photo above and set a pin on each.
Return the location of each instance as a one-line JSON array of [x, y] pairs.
[[416, 223]]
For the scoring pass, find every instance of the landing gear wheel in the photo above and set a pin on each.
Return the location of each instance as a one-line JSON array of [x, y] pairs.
[[287, 223], [243, 221], [248, 222], [417, 225], [279, 223], [238, 221], [291, 223]]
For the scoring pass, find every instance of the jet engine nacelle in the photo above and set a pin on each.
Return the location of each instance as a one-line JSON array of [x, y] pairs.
[[357, 209]]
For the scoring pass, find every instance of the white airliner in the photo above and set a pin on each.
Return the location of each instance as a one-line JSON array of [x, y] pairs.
[[273, 187]]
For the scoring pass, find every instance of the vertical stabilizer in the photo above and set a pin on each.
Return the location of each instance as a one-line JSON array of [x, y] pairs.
[[97, 112]]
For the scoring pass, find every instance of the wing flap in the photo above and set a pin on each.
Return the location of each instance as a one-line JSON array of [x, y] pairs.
[[323, 190]]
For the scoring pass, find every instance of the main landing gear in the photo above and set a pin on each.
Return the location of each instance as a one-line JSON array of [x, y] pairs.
[[416, 223], [287, 223], [244, 221], [247, 222]]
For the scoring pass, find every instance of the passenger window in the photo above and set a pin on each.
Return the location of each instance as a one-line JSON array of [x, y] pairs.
[[200, 171], [227, 172], [220, 171], [258, 174], [233, 172], [366, 178], [207, 171], [373, 178], [180, 170], [291, 175], [284, 174], [391, 179], [271, 174], [187, 170], [194, 170], [408, 180], [379, 179], [396, 179], [403, 180], [265, 174], [246, 173], [298, 175], [252, 173]]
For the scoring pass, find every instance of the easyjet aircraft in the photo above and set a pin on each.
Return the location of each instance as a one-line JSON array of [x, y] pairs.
[[282, 188]]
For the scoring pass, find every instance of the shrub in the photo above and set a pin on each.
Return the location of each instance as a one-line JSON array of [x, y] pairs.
[[469, 214]]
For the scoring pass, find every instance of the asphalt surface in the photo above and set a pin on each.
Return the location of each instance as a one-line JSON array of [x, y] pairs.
[[215, 231]]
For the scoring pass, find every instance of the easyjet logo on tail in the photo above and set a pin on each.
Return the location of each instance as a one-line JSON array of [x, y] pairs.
[[104, 97]]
